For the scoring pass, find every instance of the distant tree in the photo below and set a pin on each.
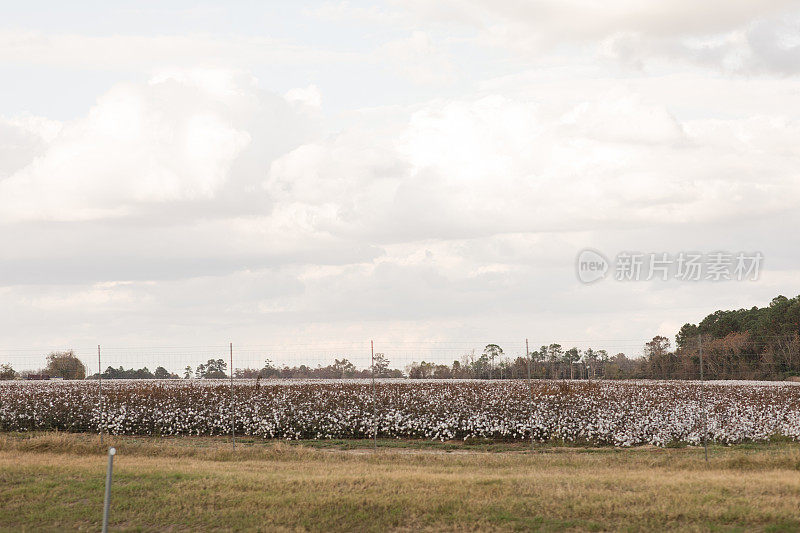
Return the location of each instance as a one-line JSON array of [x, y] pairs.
[[65, 365], [554, 355], [269, 370], [380, 365], [187, 372], [481, 367], [421, 370], [572, 356], [660, 362], [7, 373], [590, 359], [687, 336], [467, 365], [247, 373], [34, 374], [163, 373], [656, 347], [213, 369], [522, 366], [131, 373], [143, 373], [442, 372], [492, 352], [504, 368], [344, 368], [620, 367], [539, 357]]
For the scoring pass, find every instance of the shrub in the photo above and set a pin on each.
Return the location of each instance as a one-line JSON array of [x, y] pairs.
[[6, 372], [65, 365]]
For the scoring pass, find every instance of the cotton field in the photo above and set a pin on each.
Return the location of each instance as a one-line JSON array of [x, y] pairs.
[[619, 413]]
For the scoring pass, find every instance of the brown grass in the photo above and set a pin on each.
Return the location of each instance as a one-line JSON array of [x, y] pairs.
[[55, 482]]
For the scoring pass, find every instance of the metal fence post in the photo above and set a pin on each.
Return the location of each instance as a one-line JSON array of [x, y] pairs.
[[530, 387], [374, 403], [233, 408], [703, 401], [100, 388], [107, 502]]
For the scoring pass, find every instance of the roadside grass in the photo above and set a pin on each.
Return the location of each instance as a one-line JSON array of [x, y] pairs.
[[54, 482]]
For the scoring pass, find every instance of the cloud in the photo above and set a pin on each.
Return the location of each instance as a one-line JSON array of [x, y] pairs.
[[764, 46], [185, 136], [496, 165], [348, 12], [739, 37], [22, 139], [309, 96], [198, 205], [419, 59], [160, 181], [145, 52], [577, 20], [168, 141]]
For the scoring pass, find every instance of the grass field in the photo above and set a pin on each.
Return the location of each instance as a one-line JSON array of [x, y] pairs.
[[54, 482]]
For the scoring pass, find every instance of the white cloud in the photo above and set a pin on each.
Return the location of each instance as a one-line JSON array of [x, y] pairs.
[[146, 52], [466, 207], [560, 20], [765, 45], [419, 59], [740, 36], [198, 205], [347, 12], [137, 145], [181, 137], [22, 139], [305, 96], [494, 165]]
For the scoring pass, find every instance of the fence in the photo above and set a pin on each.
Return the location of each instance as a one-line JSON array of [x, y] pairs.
[[770, 358], [403, 390]]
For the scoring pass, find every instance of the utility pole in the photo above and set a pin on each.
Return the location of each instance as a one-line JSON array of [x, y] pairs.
[[703, 401], [374, 404], [530, 387], [233, 408], [100, 388]]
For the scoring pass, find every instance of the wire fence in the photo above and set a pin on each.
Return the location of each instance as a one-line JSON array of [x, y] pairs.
[[765, 359], [412, 390]]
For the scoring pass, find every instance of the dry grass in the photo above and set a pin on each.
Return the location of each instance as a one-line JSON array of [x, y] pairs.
[[55, 482]]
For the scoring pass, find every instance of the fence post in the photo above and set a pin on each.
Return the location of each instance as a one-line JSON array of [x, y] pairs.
[[107, 502], [233, 408], [100, 393], [374, 403], [530, 387], [703, 401]]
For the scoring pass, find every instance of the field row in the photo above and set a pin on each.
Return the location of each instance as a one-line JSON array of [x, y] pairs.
[[607, 412]]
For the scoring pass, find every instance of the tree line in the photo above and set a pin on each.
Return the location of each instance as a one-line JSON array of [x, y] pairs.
[[64, 365], [340, 369], [755, 343]]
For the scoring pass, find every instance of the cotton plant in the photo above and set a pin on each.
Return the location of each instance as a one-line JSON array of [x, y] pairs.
[[618, 413]]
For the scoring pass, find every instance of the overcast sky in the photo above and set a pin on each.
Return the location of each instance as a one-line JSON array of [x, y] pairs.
[[294, 174]]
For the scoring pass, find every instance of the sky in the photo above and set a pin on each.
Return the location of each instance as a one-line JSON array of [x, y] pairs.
[[302, 177]]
